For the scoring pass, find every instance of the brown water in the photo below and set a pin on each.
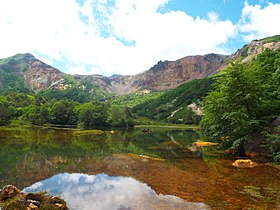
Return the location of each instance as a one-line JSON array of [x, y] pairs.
[[161, 159]]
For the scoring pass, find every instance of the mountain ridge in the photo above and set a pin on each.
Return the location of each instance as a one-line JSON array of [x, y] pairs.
[[34, 75]]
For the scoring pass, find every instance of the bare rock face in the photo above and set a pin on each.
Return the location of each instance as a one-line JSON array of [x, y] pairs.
[[37, 75], [250, 51], [170, 74], [41, 76], [164, 75]]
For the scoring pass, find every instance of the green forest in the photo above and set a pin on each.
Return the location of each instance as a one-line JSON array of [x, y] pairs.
[[39, 110]]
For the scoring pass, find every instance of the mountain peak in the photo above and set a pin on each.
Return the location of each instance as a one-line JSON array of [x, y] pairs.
[[255, 47], [23, 57], [161, 65], [28, 56]]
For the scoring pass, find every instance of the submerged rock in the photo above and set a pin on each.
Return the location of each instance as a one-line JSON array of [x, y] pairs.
[[252, 191], [204, 144], [12, 198], [244, 163]]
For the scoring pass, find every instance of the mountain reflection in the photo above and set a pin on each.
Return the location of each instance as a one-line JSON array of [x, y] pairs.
[[103, 192]]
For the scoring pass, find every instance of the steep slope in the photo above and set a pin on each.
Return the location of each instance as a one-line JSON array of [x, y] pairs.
[[170, 74], [11, 75], [163, 76], [251, 50], [41, 76], [173, 105], [24, 73]]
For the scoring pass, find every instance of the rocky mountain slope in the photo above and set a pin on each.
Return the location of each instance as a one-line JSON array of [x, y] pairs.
[[163, 76], [24, 73], [251, 50]]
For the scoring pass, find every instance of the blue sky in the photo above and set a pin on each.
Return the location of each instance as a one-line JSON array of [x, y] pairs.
[[129, 36], [226, 9]]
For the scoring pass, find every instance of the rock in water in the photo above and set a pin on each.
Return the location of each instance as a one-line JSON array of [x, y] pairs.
[[9, 191], [12, 198], [244, 163]]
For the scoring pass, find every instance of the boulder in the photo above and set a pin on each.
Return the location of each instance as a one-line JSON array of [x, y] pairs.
[[9, 191], [275, 122], [13, 198]]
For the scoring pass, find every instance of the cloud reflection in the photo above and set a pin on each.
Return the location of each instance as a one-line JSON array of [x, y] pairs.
[[103, 192]]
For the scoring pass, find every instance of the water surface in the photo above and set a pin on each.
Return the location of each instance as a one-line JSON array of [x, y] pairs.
[[162, 161], [87, 192]]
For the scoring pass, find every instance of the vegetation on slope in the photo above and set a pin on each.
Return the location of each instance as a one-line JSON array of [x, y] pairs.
[[11, 76], [133, 99], [12, 79], [172, 106], [275, 38]]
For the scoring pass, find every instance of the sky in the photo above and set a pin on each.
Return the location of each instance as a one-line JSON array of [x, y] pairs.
[[129, 36]]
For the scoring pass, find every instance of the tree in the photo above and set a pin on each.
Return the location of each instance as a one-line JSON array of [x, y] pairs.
[[245, 100], [37, 115], [63, 113], [120, 116], [6, 111], [93, 115]]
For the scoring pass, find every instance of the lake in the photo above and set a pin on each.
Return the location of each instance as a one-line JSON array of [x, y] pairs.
[[132, 170]]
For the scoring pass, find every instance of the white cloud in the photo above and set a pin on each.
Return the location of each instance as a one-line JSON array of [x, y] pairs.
[[83, 192], [258, 22], [169, 36], [126, 38]]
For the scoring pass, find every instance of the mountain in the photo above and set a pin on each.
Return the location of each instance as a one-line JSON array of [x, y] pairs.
[[25, 73], [173, 106], [170, 74], [255, 47], [163, 76], [34, 75]]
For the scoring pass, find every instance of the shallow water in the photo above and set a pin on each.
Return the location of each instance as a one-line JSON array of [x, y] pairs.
[[85, 192], [162, 161]]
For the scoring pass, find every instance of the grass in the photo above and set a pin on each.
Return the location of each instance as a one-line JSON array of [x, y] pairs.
[[275, 38], [88, 132]]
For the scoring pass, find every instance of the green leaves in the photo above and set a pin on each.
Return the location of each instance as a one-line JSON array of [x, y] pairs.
[[63, 113], [93, 115], [244, 101], [6, 111]]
